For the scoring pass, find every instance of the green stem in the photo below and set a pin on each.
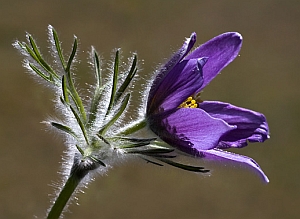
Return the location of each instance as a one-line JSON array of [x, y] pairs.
[[64, 197], [79, 170]]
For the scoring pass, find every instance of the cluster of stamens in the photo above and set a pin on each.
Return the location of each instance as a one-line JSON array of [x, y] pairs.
[[190, 102]]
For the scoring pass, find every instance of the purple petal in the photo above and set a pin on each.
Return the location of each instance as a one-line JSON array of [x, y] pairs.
[[175, 59], [189, 128], [217, 154], [251, 126], [181, 82], [220, 51]]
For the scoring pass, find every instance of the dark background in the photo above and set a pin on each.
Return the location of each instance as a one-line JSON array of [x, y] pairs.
[[264, 78]]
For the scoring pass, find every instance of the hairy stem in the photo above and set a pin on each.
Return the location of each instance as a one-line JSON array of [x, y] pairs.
[[80, 169], [64, 197]]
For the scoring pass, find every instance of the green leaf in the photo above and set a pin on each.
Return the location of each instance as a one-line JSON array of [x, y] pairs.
[[154, 151], [116, 116], [80, 123], [64, 128], [103, 139], [134, 145], [65, 90], [97, 67], [71, 58], [183, 166], [137, 139], [41, 74], [72, 90], [98, 90], [128, 79], [114, 84], [94, 106], [35, 54], [35, 57], [38, 57], [150, 161], [134, 127], [80, 150], [58, 47]]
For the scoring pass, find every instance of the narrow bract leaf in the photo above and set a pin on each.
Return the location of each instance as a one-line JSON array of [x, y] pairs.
[[183, 166], [65, 90], [155, 151], [80, 150], [39, 57], [35, 54], [152, 162], [98, 90], [73, 92], [103, 139], [137, 139], [58, 48], [114, 84], [116, 116], [80, 123], [161, 155], [133, 145], [131, 74], [41, 74], [94, 106], [71, 58], [97, 67], [64, 128], [31, 53], [134, 128]]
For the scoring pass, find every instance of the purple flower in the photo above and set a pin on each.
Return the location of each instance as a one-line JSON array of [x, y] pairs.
[[179, 117]]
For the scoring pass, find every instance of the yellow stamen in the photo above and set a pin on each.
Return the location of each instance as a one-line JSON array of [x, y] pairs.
[[190, 102]]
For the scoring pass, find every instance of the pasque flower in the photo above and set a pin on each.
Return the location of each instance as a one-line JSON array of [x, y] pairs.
[[179, 117], [96, 136]]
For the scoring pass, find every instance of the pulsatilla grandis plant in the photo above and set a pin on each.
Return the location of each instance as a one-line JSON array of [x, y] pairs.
[[98, 133]]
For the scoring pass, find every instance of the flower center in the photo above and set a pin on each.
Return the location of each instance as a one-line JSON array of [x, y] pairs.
[[190, 102]]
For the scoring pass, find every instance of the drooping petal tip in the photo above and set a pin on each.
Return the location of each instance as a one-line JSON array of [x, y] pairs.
[[218, 154]]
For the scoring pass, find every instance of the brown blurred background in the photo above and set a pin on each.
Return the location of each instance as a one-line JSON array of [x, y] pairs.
[[264, 78]]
